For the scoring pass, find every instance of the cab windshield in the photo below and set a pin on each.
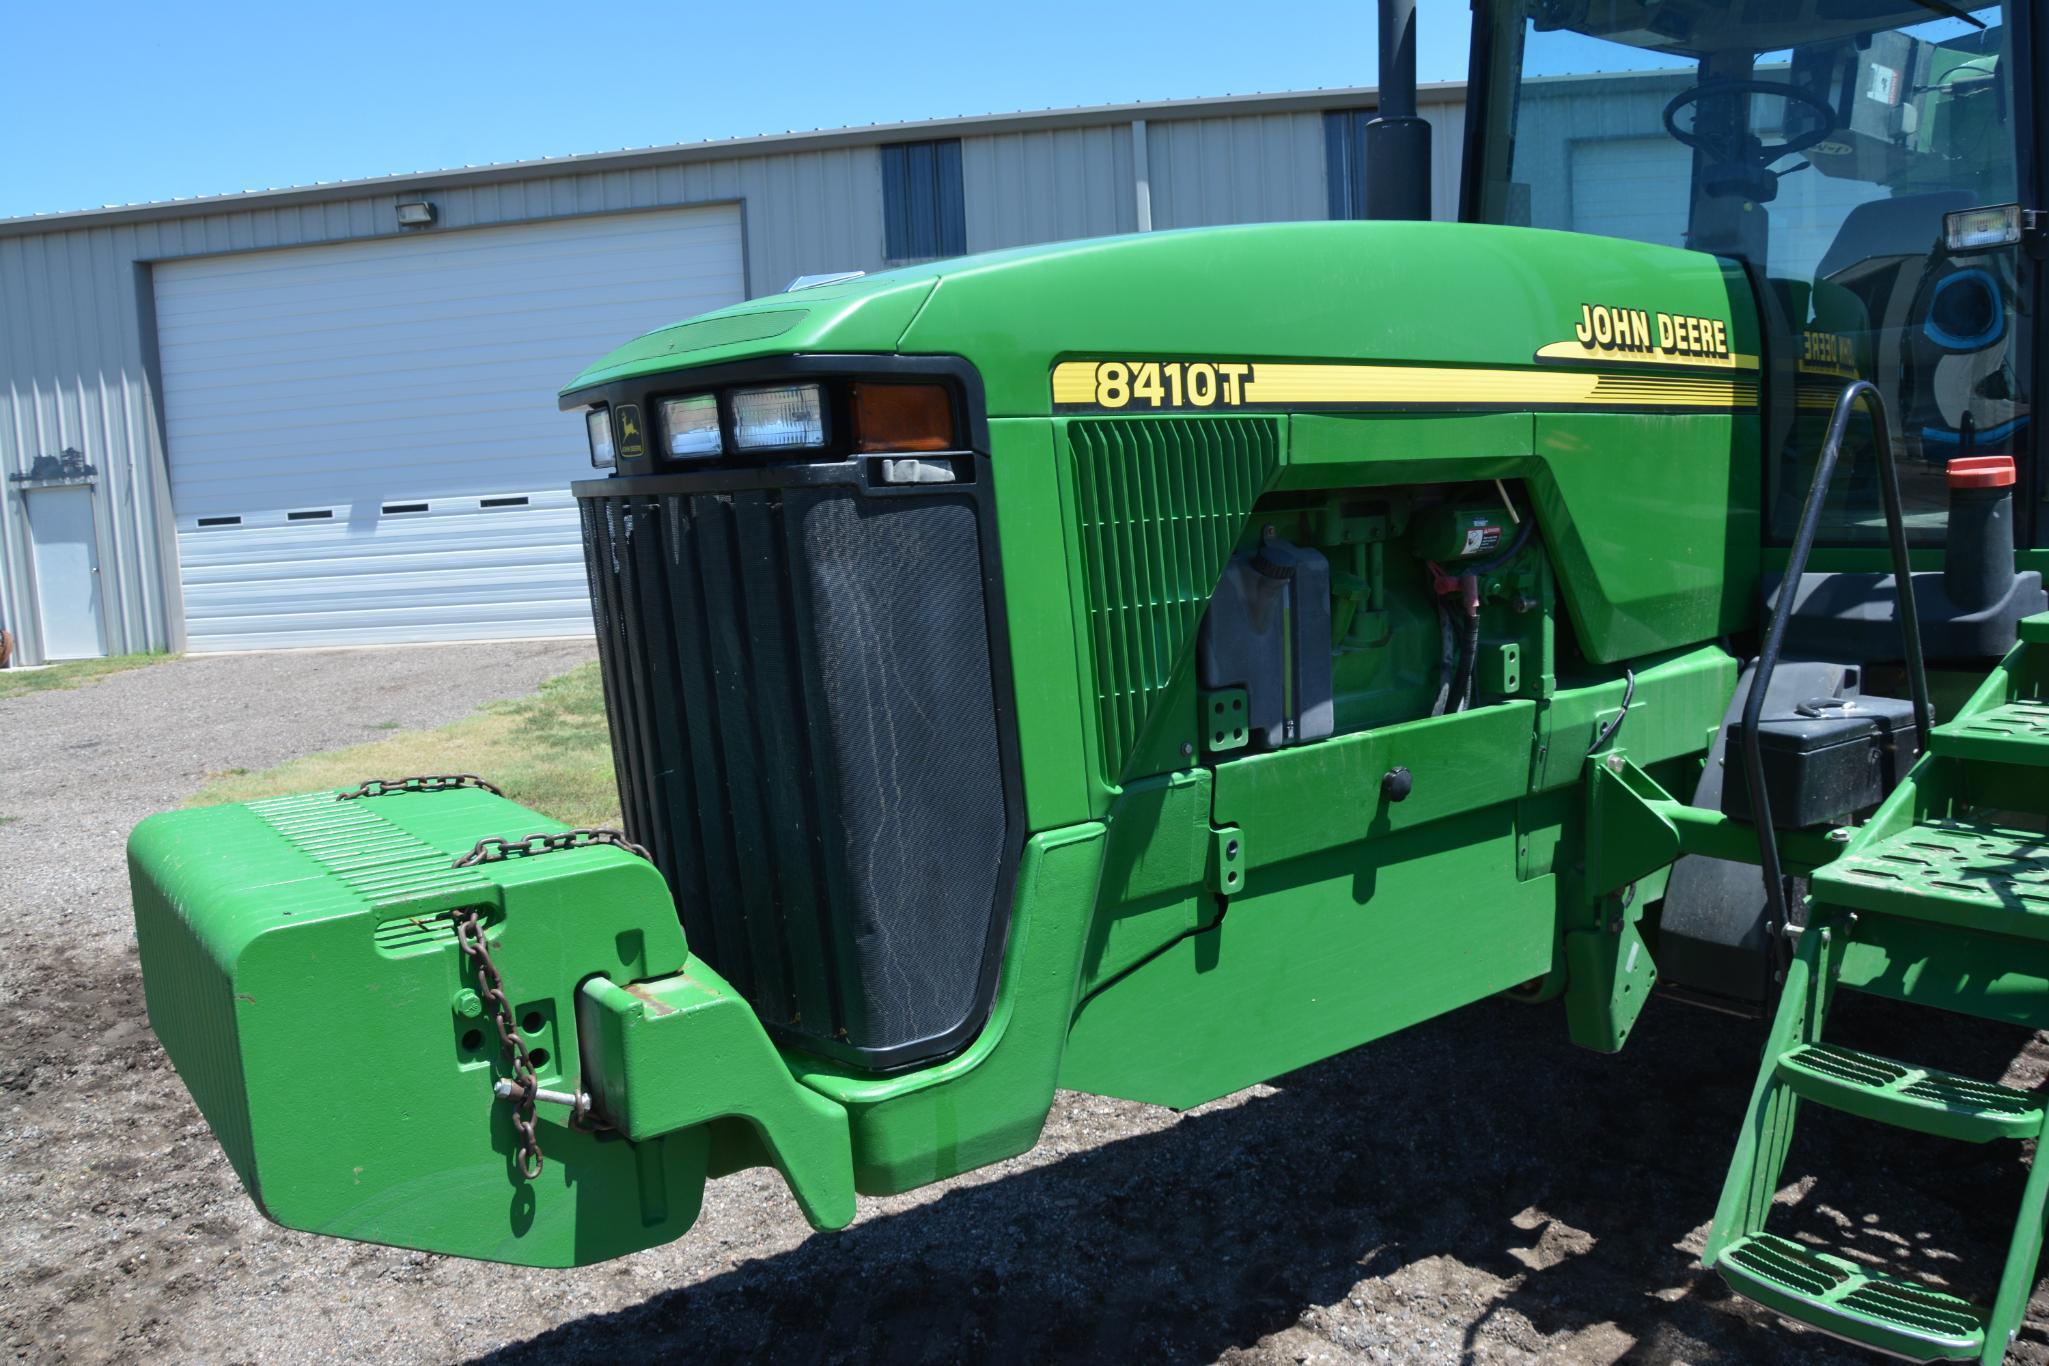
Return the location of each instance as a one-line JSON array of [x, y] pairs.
[[1821, 142]]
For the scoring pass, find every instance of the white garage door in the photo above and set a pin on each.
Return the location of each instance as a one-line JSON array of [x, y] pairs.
[[1631, 187], [364, 445]]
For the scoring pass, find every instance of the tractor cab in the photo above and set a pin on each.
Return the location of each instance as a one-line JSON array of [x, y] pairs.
[[1865, 160], [1870, 166], [1864, 164]]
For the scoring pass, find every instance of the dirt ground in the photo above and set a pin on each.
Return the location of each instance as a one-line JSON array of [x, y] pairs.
[[1472, 1190]]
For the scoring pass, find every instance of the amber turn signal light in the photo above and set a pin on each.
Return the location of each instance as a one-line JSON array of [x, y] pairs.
[[902, 417]]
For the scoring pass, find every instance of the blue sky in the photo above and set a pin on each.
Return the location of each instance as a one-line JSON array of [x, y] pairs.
[[159, 101]]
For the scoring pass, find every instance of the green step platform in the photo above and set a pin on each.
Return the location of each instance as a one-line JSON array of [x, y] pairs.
[[1940, 900], [1971, 875], [1853, 1300], [1919, 1098], [2015, 732]]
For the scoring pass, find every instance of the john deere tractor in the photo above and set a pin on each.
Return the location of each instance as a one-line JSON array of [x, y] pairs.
[[1148, 665]]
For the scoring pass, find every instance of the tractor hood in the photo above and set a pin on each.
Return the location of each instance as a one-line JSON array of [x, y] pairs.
[[1427, 294]]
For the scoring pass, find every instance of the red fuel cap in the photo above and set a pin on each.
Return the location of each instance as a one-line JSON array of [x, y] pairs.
[[1981, 472]]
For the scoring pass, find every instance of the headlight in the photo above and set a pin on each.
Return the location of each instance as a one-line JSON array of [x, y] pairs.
[[690, 426], [778, 419], [599, 423]]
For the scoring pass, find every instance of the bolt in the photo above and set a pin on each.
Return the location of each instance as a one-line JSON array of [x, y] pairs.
[[1187, 748], [1839, 835], [1614, 762], [468, 1004]]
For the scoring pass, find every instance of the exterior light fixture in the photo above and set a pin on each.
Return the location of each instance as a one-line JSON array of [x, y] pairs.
[[1997, 225], [598, 422], [690, 426], [782, 418], [416, 213]]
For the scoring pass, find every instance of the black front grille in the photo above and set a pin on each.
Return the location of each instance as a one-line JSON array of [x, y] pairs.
[[805, 721]]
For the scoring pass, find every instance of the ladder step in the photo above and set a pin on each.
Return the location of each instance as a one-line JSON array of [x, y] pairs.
[[1918, 1098], [1853, 1301], [1951, 872], [2035, 630], [2015, 732]]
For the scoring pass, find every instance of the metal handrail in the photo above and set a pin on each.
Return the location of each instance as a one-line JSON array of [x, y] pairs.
[[1789, 588]]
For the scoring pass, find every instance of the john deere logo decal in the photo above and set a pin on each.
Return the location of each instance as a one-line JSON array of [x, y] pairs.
[[1642, 336], [631, 447]]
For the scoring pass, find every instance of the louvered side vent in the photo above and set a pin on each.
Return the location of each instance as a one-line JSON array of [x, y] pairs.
[[1163, 501]]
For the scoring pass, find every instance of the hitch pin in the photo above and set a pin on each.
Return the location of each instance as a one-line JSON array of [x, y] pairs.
[[579, 1102]]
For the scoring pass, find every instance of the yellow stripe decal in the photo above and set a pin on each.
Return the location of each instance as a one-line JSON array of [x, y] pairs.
[[1144, 386], [1573, 351]]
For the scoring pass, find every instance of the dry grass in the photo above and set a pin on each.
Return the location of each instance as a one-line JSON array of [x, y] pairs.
[[72, 673], [549, 751]]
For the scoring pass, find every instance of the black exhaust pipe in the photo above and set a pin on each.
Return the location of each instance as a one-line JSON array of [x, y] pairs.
[[1397, 140]]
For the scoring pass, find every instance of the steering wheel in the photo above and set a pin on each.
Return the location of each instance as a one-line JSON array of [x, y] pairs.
[[1757, 152]]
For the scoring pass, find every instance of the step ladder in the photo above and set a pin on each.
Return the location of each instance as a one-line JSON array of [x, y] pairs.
[[1940, 901]]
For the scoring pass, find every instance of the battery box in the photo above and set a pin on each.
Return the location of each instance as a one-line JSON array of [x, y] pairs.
[[1825, 758]]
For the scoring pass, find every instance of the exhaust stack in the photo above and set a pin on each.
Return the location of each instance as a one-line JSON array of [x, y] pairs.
[[1397, 140]]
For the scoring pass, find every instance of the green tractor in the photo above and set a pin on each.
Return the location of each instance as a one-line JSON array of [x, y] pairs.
[[1149, 665]]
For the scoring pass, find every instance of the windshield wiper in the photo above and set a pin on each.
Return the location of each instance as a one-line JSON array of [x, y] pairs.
[[1949, 11]]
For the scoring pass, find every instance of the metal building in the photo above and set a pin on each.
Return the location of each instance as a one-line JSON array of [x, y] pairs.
[[325, 415]]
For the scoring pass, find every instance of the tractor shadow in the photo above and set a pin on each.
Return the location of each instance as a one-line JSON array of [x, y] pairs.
[[1474, 1187]]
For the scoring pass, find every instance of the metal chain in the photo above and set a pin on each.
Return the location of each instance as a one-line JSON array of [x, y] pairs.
[[495, 850], [426, 782], [521, 1088], [524, 1091]]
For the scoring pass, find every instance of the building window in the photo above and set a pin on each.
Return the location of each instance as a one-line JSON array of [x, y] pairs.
[[923, 213], [1344, 161]]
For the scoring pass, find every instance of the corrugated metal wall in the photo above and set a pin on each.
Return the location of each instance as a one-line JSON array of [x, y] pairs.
[[1447, 119], [77, 339], [1026, 187], [1257, 168], [74, 325]]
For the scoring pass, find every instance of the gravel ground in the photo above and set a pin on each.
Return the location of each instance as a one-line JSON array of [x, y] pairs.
[[1474, 1189]]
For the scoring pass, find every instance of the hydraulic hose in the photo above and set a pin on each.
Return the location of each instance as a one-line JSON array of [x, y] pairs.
[[1469, 653], [1447, 637], [1608, 731], [1461, 650]]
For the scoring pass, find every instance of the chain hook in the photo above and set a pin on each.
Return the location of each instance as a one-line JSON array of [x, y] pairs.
[[469, 935]]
